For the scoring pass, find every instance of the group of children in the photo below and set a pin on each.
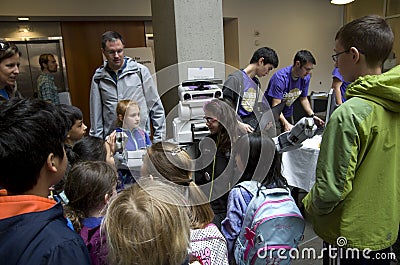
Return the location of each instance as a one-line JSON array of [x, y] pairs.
[[165, 210]]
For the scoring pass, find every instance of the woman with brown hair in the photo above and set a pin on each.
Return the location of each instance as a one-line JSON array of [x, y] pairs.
[[9, 70]]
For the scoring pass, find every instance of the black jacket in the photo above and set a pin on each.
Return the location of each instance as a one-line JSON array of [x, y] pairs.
[[222, 169]]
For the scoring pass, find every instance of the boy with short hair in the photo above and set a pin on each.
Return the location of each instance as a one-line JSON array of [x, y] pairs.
[[355, 200], [243, 87], [32, 158]]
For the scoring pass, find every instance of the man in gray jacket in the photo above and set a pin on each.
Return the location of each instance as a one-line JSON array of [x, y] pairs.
[[121, 77]]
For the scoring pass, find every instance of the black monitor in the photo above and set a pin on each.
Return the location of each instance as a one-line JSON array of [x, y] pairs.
[[331, 106]]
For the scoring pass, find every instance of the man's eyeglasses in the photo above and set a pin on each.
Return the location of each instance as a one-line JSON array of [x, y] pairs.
[[336, 56], [4, 46], [209, 119], [112, 52]]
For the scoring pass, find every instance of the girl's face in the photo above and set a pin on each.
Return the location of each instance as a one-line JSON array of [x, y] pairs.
[[9, 70], [211, 122], [110, 155], [132, 117], [77, 131]]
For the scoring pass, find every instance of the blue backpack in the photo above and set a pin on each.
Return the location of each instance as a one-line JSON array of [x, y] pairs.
[[272, 226]]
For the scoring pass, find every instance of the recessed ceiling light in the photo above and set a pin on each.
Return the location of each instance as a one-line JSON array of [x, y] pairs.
[[23, 18], [341, 2]]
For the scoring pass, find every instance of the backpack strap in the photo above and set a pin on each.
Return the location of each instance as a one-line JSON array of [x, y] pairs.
[[276, 191], [139, 73], [251, 186], [246, 196]]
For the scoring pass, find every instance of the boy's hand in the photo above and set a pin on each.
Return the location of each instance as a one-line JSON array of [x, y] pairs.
[[245, 128]]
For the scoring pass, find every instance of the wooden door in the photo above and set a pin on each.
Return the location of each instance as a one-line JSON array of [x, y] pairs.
[[82, 49]]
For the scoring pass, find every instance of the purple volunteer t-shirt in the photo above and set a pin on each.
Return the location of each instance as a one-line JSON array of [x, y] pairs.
[[343, 87], [283, 86], [249, 98]]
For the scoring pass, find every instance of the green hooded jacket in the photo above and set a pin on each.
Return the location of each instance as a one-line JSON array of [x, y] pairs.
[[357, 189]]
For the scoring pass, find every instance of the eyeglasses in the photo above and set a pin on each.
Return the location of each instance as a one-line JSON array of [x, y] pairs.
[[209, 119], [4, 46], [112, 52], [335, 57]]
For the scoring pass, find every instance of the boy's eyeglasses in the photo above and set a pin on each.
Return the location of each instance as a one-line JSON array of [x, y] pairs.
[[209, 119], [335, 57], [4, 46]]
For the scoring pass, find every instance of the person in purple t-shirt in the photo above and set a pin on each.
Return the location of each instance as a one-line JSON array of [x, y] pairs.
[[339, 86], [242, 87], [290, 83]]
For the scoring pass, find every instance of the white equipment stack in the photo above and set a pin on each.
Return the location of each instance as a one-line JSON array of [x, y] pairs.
[[190, 126]]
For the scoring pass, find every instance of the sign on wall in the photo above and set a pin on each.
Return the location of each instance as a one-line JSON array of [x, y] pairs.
[[143, 55]]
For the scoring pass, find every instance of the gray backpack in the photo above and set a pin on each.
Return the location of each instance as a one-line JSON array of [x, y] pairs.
[[272, 226]]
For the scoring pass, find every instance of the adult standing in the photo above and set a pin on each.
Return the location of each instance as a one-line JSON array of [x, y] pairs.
[[290, 83], [121, 77], [9, 70], [242, 87], [47, 89]]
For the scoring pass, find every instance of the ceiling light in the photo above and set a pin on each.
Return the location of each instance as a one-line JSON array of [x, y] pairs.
[[23, 18], [341, 2]]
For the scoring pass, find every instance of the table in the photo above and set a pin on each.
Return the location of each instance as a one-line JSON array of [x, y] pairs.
[[298, 166]]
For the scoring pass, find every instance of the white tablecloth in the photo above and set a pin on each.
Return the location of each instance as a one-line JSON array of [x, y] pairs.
[[298, 166]]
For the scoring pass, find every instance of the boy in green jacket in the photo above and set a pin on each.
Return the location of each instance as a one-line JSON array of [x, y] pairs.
[[354, 203]]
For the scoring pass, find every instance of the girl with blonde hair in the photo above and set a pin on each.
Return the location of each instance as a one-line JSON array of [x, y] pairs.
[[147, 224], [128, 119], [165, 160], [128, 124]]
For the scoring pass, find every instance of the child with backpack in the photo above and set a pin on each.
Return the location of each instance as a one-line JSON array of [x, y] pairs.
[[262, 217]]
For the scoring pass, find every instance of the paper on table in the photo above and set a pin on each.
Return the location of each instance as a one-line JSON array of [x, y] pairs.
[[313, 143]]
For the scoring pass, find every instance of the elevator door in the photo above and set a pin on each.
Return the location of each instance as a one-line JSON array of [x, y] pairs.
[[30, 68]]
